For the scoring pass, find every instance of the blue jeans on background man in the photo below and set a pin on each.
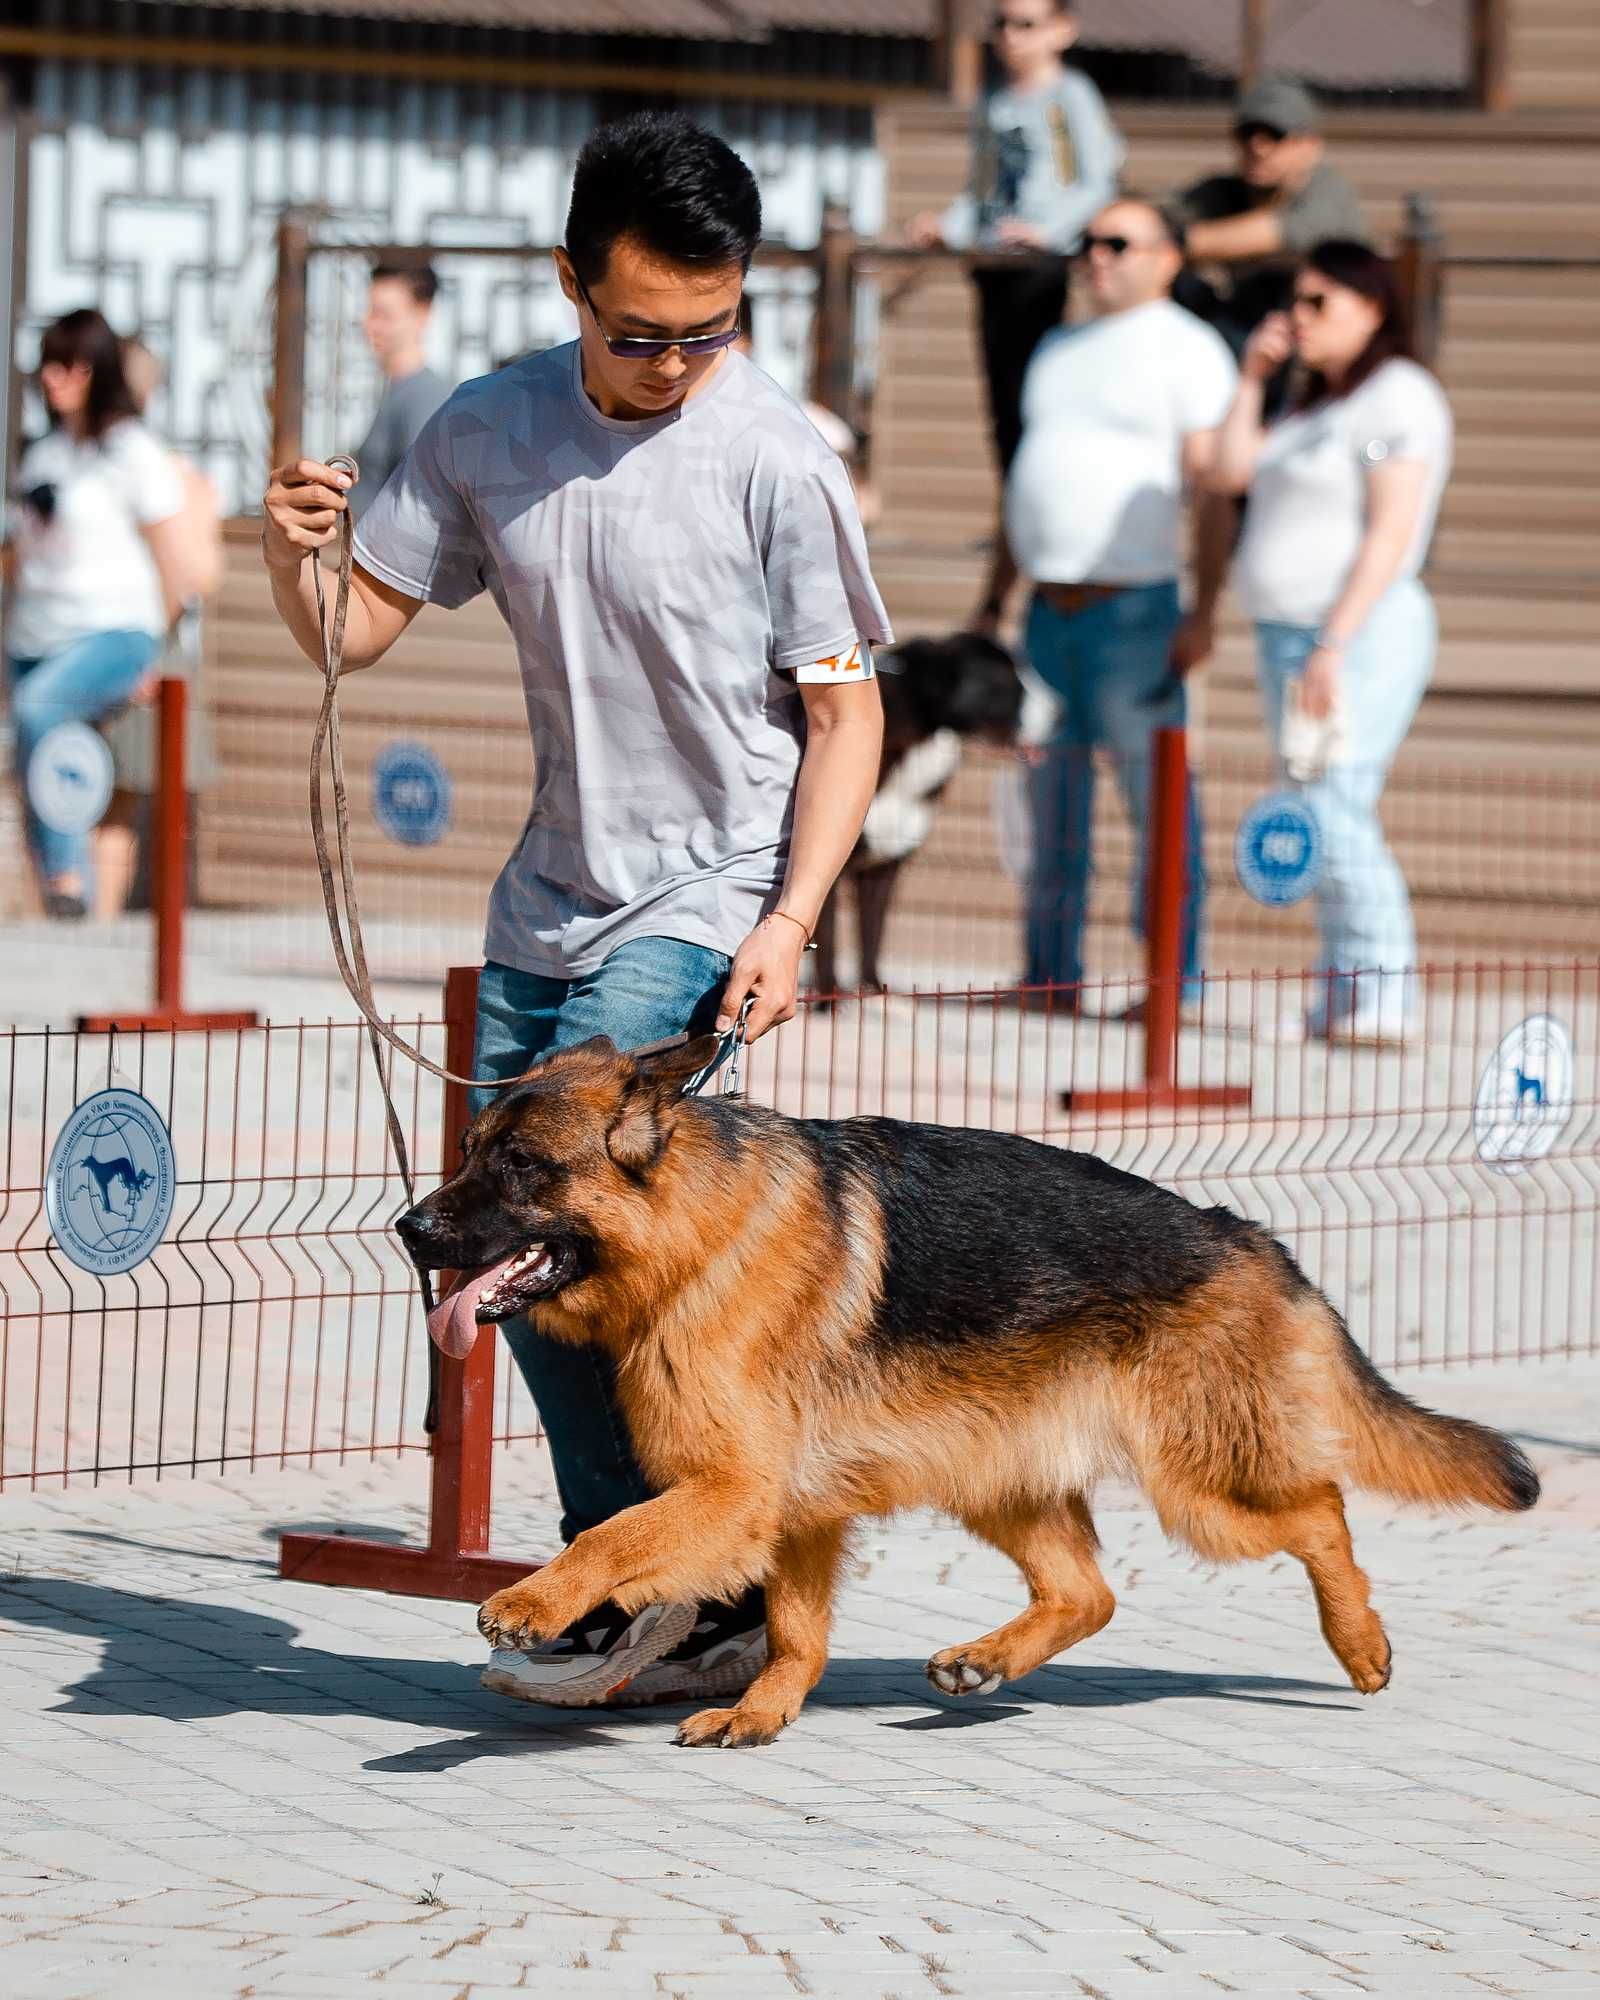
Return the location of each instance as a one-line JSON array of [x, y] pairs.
[[1363, 907], [646, 990], [1104, 664], [80, 683]]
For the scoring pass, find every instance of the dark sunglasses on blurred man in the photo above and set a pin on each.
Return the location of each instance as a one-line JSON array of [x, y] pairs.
[[1116, 246]]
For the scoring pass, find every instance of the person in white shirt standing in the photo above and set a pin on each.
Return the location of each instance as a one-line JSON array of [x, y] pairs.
[[94, 564], [1344, 491], [1120, 415], [1045, 158]]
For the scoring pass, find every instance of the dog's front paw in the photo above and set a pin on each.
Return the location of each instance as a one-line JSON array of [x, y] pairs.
[[730, 1728], [520, 1617]]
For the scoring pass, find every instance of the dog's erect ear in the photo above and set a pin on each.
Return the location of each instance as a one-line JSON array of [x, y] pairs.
[[643, 1123], [668, 1066]]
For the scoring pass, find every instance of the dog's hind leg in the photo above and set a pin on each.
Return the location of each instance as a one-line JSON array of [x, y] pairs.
[[1318, 1534], [1311, 1527], [1055, 1549], [799, 1589]]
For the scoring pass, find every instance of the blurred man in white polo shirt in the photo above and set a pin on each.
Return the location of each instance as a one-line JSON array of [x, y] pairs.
[[1119, 422]]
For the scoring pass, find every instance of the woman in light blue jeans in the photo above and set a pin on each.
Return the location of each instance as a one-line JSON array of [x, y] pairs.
[[1343, 493], [1369, 943], [83, 681]]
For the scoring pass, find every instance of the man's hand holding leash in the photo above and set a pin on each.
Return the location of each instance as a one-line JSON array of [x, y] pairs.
[[838, 775], [304, 510], [302, 504], [765, 970]]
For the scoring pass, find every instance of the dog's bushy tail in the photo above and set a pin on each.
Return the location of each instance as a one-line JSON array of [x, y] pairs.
[[1398, 1447]]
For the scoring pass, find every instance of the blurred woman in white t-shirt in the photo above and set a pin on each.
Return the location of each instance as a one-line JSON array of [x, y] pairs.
[[93, 566], [1343, 493]]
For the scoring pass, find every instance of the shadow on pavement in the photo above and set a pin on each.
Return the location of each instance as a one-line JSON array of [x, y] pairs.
[[185, 1660]]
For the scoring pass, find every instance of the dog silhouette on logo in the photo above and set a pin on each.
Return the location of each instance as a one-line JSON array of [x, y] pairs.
[[1530, 1095], [107, 1173]]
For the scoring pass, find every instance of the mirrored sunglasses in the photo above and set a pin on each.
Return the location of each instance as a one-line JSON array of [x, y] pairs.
[[629, 347]]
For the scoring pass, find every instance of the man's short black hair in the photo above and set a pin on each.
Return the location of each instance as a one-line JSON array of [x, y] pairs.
[[420, 280], [667, 184]]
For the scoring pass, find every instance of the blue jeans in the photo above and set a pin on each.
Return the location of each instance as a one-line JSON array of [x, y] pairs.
[[1368, 941], [81, 683], [1104, 663], [646, 990]]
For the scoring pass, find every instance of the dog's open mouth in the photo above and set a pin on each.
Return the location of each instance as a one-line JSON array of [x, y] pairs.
[[496, 1292]]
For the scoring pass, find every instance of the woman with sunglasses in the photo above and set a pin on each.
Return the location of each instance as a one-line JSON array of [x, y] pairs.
[[1343, 493], [94, 567]]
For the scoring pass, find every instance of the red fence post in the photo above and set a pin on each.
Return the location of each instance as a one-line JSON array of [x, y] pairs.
[[463, 1443], [169, 880], [169, 876], [456, 1562], [1169, 842], [1164, 893]]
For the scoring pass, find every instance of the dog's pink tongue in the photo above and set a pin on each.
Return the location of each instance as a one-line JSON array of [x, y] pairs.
[[453, 1325]]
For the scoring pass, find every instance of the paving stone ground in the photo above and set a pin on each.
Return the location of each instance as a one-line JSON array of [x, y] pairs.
[[219, 1784]]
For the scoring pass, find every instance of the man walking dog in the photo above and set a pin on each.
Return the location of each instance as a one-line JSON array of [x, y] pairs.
[[679, 558]]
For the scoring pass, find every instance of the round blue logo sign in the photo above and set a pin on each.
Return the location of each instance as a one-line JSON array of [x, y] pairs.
[[410, 794], [1525, 1095], [70, 777], [110, 1185], [1277, 852]]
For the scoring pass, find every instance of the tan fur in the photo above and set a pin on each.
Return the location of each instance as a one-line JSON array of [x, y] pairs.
[[738, 1299]]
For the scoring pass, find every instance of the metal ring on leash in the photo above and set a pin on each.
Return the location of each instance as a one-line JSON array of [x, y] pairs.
[[730, 1048]]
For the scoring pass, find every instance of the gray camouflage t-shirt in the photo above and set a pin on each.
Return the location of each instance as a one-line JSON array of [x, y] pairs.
[[665, 582]]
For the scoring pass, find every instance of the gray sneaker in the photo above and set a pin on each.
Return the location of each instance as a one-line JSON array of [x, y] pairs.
[[593, 1659], [719, 1658], [670, 1652]]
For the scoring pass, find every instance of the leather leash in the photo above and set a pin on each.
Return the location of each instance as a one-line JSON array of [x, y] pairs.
[[351, 956]]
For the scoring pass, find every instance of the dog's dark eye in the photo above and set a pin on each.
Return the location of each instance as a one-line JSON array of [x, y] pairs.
[[531, 1167]]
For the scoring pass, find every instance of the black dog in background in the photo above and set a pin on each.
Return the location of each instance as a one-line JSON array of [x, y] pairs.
[[935, 693]]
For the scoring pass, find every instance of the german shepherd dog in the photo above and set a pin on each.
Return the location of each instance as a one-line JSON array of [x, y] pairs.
[[815, 1320]]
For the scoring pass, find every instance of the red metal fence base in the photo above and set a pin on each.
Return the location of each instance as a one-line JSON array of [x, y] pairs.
[[182, 1023], [1160, 1097], [456, 1563], [358, 1565]]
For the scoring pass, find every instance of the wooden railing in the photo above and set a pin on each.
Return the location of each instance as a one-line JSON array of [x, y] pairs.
[[959, 36], [840, 261]]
